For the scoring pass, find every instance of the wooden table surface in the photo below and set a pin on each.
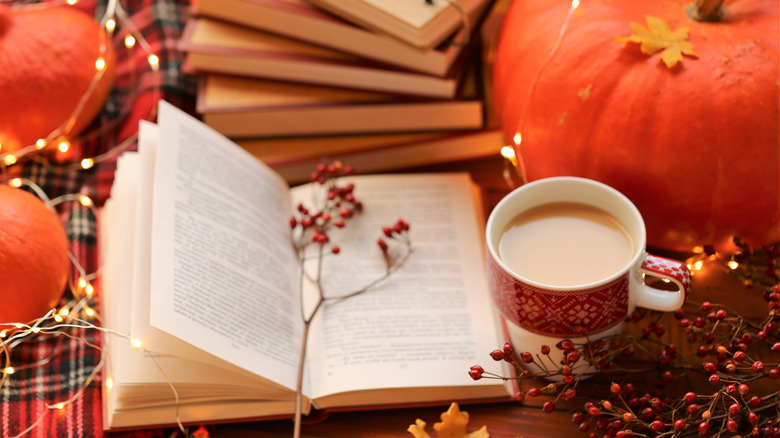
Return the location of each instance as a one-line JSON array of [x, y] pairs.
[[510, 419]]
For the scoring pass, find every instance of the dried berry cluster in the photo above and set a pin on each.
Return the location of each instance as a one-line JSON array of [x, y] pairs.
[[729, 386]]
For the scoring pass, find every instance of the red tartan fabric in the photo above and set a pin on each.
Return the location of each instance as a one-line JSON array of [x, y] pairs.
[[60, 368]]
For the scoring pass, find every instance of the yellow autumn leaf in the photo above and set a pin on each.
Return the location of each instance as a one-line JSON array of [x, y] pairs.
[[453, 425], [658, 36]]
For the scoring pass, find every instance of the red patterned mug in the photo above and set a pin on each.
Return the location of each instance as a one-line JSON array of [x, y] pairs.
[[540, 313]]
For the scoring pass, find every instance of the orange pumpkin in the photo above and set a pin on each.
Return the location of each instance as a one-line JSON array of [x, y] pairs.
[[48, 56], [694, 146], [34, 261]]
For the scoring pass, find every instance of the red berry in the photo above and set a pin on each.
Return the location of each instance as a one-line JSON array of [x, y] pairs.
[[520, 396], [508, 349], [690, 397], [753, 418], [548, 406], [774, 373], [743, 389], [527, 357], [339, 224], [731, 390], [573, 357], [754, 401], [594, 411], [534, 392], [335, 249], [387, 231], [734, 410], [706, 306], [776, 347], [614, 389], [758, 366], [475, 374], [679, 424], [714, 379], [496, 354], [721, 314], [545, 349], [710, 367], [704, 427], [577, 417], [739, 356], [732, 425]]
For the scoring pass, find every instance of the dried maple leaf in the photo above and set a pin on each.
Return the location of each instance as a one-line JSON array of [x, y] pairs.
[[453, 425], [657, 36]]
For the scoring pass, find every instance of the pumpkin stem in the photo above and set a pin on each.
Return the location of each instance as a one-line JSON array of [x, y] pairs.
[[706, 10]]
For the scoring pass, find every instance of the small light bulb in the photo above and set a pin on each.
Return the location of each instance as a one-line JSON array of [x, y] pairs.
[[518, 138], [58, 318], [136, 343], [59, 405], [16, 182], [86, 163], [129, 41], [40, 144], [153, 60], [89, 289], [9, 370], [72, 2], [575, 3], [110, 24], [35, 330], [82, 282], [100, 64], [86, 201], [697, 266], [508, 152], [109, 383], [3, 333], [63, 146], [89, 311], [733, 264], [64, 311], [9, 159], [18, 325]]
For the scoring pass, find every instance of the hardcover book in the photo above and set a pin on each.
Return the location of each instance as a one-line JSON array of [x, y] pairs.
[[420, 23], [299, 20], [220, 47]]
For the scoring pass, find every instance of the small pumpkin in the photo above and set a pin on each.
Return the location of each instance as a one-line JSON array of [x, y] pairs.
[[694, 146], [34, 261], [48, 56]]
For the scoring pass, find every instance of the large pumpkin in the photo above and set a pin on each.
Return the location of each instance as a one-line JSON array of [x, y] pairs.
[[48, 56], [694, 146], [34, 261]]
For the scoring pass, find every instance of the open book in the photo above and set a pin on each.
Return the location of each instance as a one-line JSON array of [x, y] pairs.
[[199, 267]]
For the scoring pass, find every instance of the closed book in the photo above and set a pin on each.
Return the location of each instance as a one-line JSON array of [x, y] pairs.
[[299, 20], [420, 23], [240, 107], [221, 47]]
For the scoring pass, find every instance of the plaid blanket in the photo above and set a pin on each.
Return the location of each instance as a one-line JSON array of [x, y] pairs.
[[53, 369]]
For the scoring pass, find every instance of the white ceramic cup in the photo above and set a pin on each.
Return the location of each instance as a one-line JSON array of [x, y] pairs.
[[539, 314]]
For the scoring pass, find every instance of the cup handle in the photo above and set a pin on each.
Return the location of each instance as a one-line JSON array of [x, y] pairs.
[[675, 271]]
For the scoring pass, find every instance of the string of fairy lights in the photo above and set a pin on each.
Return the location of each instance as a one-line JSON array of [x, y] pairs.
[[78, 313]]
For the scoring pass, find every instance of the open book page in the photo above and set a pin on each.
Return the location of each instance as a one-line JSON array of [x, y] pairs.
[[224, 273], [431, 320], [160, 343]]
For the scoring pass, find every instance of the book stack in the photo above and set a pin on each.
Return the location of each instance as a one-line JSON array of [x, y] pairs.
[[379, 84]]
